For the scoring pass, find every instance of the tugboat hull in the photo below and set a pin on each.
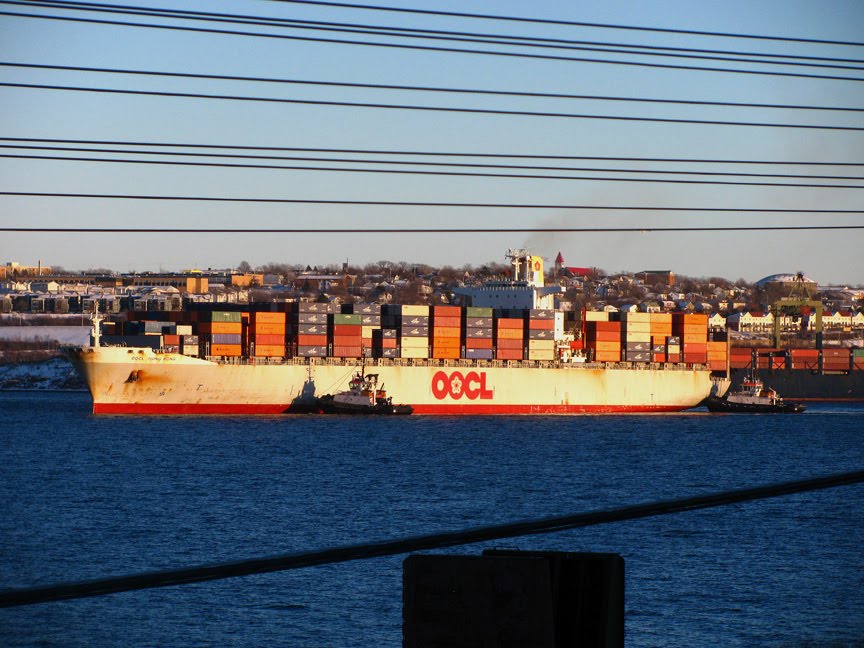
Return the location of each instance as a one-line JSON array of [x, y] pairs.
[[715, 404]]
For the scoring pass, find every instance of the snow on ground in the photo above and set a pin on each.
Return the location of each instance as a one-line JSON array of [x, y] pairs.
[[56, 373]]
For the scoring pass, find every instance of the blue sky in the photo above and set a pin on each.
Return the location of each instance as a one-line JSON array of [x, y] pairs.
[[828, 257]]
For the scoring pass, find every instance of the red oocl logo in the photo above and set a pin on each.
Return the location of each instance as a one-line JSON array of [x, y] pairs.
[[456, 385]]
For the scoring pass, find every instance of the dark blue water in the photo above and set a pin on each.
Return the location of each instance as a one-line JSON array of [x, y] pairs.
[[84, 497]]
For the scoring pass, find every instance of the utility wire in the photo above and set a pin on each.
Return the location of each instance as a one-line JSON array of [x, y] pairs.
[[422, 153], [402, 203], [425, 230], [569, 23], [374, 161], [471, 174], [299, 560], [445, 109], [377, 86], [406, 46], [469, 37]]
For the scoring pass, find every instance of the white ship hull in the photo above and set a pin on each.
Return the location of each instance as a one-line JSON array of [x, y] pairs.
[[126, 380]]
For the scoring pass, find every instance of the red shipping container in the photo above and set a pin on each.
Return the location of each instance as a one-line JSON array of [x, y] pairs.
[[509, 323], [603, 326], [673, 357], [386, 343], [446, 321], [447, 311], [348, 329], [170, 340], [478, 343], [544, 324], [347, 351], [311, 340], [659, 357], [509, 344], [508, 354], [346, 340]]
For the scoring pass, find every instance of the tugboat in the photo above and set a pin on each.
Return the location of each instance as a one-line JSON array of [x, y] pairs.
[[363, 396], [752, 398]]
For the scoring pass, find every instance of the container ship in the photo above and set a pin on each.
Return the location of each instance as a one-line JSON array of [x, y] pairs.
[[808, 374], [516, 357]]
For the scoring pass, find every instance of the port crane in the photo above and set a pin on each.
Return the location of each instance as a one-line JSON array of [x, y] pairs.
[[793, 306]]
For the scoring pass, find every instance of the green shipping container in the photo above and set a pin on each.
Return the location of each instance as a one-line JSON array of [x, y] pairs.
[[225, 316], [475, 311], [346, 318]]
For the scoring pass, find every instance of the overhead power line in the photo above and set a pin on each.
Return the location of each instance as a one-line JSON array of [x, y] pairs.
[[459, 154], [443, 109], [424, 230], [408, 88], [471, 174], [299, 560], [473, 165], [449, 35], [407, 46], [568, 23], [402, 203]]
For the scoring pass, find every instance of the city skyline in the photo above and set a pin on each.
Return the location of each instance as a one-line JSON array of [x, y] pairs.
[[565, 161]]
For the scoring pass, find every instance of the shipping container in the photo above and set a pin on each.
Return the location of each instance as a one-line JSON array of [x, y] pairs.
[[415, 331], [269, 350], [509, 323], [312, 351], [509, 344], [509, 334], [311, 318], [479, 343], [230, 350], [475, 311], [479, 354], [509, 354], [448, 321], [446, 331], [407, 309], [478, 333], [547, 324], [415, 342], [347, 329], [258, 317], [387, 352], [268, 328], [417, 353]]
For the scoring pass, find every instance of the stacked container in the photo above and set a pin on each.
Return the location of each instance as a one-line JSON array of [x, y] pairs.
[[385, 343], [509, 338], [446, 332], [717, 355], [673, 349], [692, 328], [478, 333], [541, 334], [414, 332], [220, 333], [836, 359], [346, 335], [636, 337], [661, 331], [307, 330], [805, 358], [267, 334], [602, 337]]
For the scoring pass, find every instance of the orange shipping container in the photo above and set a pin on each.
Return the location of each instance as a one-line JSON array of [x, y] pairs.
[[386, 343], [445, 342], [311, 340], [478, 343], [446, 311], [220, 327], [608, 346], [446, 321], [226, 349], [269, 350], [607, 356], [447, 353], [509, 323], [267, 328], [446, 332], [509, 334], [542, 325], [258, 317]]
